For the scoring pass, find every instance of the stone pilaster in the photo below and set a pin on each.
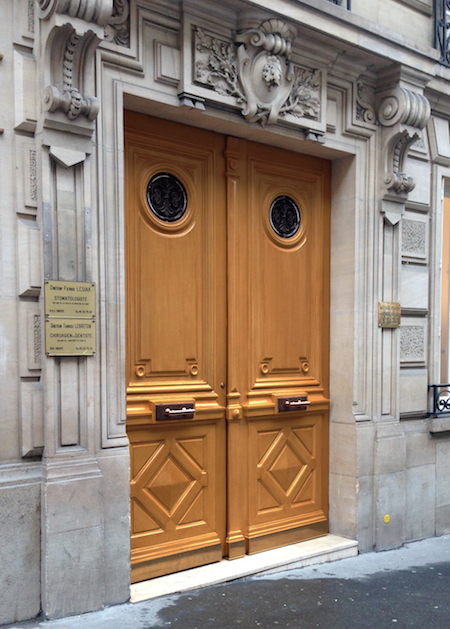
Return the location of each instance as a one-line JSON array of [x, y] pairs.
[[81, 484], [403, 111]]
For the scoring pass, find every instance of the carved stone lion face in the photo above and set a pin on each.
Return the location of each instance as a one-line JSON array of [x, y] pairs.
[[272, 71]]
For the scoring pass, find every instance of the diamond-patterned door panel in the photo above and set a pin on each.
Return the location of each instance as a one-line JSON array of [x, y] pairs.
[[285, 476], [175, 264], [168, 489]]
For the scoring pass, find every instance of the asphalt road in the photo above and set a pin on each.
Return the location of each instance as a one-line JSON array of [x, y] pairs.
[[404, 588], [418, 598]]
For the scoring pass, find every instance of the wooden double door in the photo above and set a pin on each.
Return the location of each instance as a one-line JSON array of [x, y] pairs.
[[227, 275]]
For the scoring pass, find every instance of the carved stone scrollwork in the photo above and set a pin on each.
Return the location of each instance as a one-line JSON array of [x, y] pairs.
[[71, 103], [364, 108], [73, 29], [402, 113], [399, 183], [257, 71], [96, 11], [118, 28], [404, 107], [69, 50]]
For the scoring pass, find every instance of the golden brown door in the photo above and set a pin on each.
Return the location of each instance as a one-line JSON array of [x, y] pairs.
[[227, 345], [176, 345], [278, 312]]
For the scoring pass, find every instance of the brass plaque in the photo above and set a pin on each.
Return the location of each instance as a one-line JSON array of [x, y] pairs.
[[69, 337], [69, 299], [389, 313]]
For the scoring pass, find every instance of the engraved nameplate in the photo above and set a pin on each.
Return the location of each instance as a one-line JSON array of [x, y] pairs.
[[69, 318], [69, 337], [69, 299], [389, 313]]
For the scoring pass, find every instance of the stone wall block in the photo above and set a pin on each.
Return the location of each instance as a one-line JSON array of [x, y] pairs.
[[420, 171], [420, 502], [10, 390], [365, 460], [71, 412], [75, 582], [30, 339], [25, 90], [443, 520], [26, 179], [29, 258], [443, 473], [32, 418], [414, 287], [343, 505], [365, 513], [115, 467], [73, 505], [20, 547], [413, 389], [166, 63], [420, 446], [343, 447], [390, 490], [390, 454], [73, 540], [24, 22], [439, 138], [341, 348]]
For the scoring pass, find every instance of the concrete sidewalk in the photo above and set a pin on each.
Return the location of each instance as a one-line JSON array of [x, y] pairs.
[[408, 587]]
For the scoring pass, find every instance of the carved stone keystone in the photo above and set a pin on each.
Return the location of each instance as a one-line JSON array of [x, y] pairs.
[[257, 71]]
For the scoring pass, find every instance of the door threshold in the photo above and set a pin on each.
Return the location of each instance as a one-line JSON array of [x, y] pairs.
[[314, 551]]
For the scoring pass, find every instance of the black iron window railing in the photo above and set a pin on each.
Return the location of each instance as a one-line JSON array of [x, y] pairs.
[[346, 4], [441, 29], [441, 399]]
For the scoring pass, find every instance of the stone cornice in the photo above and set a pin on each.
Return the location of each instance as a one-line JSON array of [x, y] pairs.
[[362, 33]]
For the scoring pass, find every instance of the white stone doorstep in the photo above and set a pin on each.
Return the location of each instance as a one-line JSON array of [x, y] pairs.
[[315, 551]]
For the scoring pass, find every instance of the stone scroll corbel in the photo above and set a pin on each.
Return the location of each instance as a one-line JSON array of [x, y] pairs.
[[64, 95], [94, 11], [72, 31], [402, 113]]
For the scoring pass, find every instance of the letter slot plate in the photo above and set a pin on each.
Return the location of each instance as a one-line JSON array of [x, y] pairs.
[[298, 403], [174, 411]]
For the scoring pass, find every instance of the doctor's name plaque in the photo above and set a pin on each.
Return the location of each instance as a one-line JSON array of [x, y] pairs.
[[69, 299], [69, 318], [389, 314]]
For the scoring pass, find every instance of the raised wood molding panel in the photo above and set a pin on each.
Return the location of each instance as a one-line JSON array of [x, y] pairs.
[[280, 344], [176, 339], [227, 316]]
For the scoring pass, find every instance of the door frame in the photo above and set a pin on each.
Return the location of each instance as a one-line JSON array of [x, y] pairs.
[[313, 174], [350, 383]]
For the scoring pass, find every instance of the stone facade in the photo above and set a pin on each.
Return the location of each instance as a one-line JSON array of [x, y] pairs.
[[362, 88]]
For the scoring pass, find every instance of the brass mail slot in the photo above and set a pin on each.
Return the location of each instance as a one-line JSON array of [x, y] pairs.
[[174, 411], [298, 403]]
